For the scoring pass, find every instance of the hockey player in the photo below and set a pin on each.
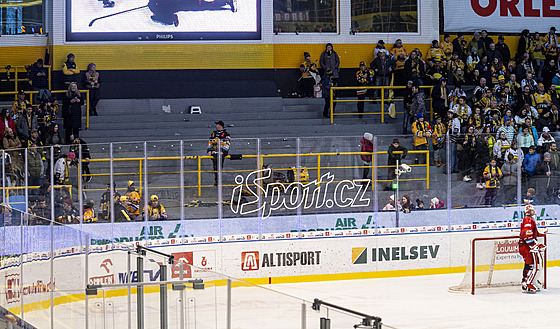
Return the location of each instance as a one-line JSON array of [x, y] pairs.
[[156, 211], [531, 250], [133, 198]]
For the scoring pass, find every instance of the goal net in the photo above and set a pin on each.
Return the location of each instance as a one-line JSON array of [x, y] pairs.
[[494, 262]]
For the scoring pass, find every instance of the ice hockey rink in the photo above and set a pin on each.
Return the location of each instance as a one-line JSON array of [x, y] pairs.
[[403, 302]]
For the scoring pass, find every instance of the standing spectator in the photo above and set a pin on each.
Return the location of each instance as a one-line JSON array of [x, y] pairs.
[[530, 82], [508, 129], [541, 100], [454, 64], [523, 67], [5, 122], [34, 166], [524, 43], [436, 72], [532, 130], [380, 48], [460, 46], [219, 141], [463, 112], [503, 48], [26, 122], [392, 159], [498, 70], [486, 40], [12, 145], [367, 147], [554, 157], [309, 76], [526, 139], [422, 132], [530, 161], [477, 120], [434, 54], [54, 139], [440, 102], [447, 47], [472, 61], [454, 131], [438, 141], [408, 98], [467, 154], [327, 83], [544, 121], [19, 105], [492, 175], [72, 111], [545, 141], [330, 61], [86, 156], [92, 84], [399, 56], [70, 69], [364, 77], [551, 44], [500, 147], [476, 43], [40, 81], [106, 203], [62, 168], [509, 182], [546, 178], [418, 105], [537, 53], [382, 66], [479, 92], [493, 53], [482, 157], [484, 67], [548, 73], [414, 68]]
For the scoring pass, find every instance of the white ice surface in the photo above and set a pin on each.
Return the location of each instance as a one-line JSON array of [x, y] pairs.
[[83, 11], [406, 302]]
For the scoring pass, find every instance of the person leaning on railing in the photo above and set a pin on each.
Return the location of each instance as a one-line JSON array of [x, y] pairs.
[[364, 77]]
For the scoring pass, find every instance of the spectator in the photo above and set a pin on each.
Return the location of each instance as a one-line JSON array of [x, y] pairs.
[[454, 95], [364, 77], [508, 129], [408, 98], [554, 94], [34, 139], [454, 63], [419, 204], [460, 46], [476, 43], [513, 85], [548, 73], [418, 105], [219, 141], [551, 44], [12, 145], [485, 68], [70, 69], [435, 203], [440, 102], [472, 61], [492, 175], [89, 212], [54, 138], [392, 159], [5, 122], [26, 122], [541, 100], [156, 211], [524, 44], [547, 181], [479, 92], [537, 53], [554, 157], [106, 203], [309, 76], [414, 68], [399, 56], [406, 204], [132, 201], [92, 84], [72, 111], [530, 82], [545, 141], [515, 151], [19, 106], [454, 131], [422, 132], [382, 66], [436, 72], [463, 111], [544, 121], [493, 54], [500, 147], [486, 40], [367, 147], [46, 115], [121, 212], [438, 141], [530, 197], [503, 48], [69, 214], [481, 158], [62, 168], [40, 81], [34, 166], [459, 77], [526, 139], [467, 154], [509, 182], [380, 47], [330, 61], [447, 47], [530, 161], [532, 130], [86, 156], [498, 70], [327, 83], [523, 67], [62, 196], [476, 119], [390, 206], [526, 98]]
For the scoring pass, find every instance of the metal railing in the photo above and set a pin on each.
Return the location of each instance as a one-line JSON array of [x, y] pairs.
[[383, 100], [85, 91], [17, 69]]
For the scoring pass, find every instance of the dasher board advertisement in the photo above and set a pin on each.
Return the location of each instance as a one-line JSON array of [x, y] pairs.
[[499, 16], [162, 20]]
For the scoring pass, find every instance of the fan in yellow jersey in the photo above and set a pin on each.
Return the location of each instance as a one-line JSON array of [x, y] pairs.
[[447, 47], [435, 53], [156, 211], [89, 212], [133, 198], [19, 105], [551, 44], [541, 100]]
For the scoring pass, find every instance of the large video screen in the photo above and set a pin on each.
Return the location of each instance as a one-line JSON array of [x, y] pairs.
[[161, 20]]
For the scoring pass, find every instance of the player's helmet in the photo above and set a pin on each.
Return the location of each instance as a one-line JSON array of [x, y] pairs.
[[529, 209]]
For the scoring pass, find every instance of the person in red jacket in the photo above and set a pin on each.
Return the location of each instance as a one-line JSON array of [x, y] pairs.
[[531, 250], [5, 121], [367, 146]]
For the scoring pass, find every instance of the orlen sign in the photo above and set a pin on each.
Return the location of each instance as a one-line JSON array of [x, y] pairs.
[[529, 8], [497, 16]]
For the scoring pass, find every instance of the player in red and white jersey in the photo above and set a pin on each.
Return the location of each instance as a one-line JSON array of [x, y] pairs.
[[531, 250]]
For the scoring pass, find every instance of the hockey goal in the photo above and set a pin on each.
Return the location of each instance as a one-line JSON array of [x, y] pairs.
[[495, 262]]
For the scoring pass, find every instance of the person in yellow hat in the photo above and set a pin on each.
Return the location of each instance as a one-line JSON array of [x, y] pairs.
[[499, 87], [156, 211], [89, 212], [133, 199], [121, 205]]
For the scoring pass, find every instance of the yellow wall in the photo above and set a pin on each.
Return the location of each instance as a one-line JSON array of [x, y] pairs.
[[20, 55]]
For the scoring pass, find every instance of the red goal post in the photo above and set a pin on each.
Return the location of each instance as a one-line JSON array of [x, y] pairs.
[[497, 262]]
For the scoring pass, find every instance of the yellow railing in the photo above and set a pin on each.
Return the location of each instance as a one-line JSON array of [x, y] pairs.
[[199, 171], [16, 69], [382, 100], [86, 91]]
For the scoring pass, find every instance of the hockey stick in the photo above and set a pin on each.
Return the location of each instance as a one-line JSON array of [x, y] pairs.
[[115, 14]]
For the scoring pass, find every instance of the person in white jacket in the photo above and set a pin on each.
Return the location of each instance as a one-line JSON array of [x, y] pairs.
[[61, 168]]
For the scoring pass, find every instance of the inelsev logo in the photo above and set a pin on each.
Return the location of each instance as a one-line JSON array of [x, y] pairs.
[[360, 254]]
